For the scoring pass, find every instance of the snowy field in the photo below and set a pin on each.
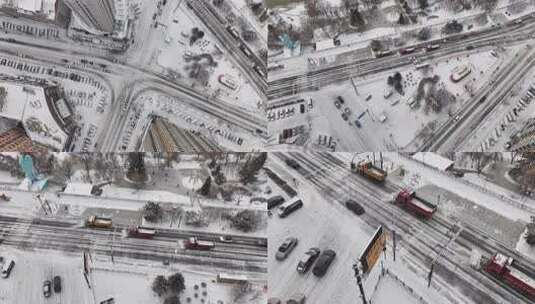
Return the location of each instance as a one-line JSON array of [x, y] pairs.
[[176, 49]]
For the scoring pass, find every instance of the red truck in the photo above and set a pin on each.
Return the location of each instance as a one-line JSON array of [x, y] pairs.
[[504, 268], [141, 232], [194, 243], [410, 201]]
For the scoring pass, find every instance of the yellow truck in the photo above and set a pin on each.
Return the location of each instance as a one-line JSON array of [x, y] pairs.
[[98, 222]]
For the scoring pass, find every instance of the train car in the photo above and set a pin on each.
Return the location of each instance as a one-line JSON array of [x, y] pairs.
[[194, 243], [259, 71], [410, 201], [246, 50], [432, 47], [231, 278], [386, 53], [233, 32], [504, 268], [406, 51], [141, 232]]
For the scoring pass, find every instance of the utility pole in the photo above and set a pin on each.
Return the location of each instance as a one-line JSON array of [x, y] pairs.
[[359, 282], [429, 277], [394, 244], [381, 157]]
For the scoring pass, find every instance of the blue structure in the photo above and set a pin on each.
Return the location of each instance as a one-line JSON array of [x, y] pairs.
[[285, 39], [34, 181]]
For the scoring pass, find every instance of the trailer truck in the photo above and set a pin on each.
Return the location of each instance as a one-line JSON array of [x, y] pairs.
[[98, 222], [504, 268], [367, 169], [410, 201]]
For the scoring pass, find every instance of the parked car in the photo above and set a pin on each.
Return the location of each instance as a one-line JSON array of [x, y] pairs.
[[337, 104], [355, 207], [286, 248], [57, 284], [307, 260], [274, 201], [347, 111], [298, 298], [357, 123], [340, 99], [323, 263], [46, 288]]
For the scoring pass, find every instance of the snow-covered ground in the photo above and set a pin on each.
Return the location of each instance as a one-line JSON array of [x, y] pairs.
[[127, 281], [172, 56]]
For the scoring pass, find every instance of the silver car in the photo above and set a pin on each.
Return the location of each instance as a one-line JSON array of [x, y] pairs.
[[285, 248]]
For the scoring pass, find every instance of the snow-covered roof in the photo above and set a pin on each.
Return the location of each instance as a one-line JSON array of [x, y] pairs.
[[78, 188], [30, 5], [433, 160], [27, 103], [324, 44]]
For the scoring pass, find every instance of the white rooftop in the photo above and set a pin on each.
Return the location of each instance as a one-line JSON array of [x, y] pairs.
[[78, 188], [433, 160], [30, 5]]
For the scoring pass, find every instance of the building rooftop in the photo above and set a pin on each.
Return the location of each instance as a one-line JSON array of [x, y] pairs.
[[30, 103]]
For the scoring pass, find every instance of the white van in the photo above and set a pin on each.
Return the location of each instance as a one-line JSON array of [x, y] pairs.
[[8, 266]]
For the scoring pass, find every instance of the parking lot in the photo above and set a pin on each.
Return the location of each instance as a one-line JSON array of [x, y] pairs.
[[28, 278]]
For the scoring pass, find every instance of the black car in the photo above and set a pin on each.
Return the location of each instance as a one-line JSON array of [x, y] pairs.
[[302, 108], [57, 284], [340, 99], [293, 163], [307, 260], [355, 207], [323, 263]]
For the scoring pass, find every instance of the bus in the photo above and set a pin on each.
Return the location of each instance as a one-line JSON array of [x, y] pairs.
[[231, 278], [289, 207]]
